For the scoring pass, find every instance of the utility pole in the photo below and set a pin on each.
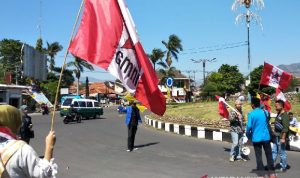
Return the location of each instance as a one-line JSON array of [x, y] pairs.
[[249, 15], [204, 61]]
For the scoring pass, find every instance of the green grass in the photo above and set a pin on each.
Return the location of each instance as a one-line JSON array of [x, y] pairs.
[[208, 111]]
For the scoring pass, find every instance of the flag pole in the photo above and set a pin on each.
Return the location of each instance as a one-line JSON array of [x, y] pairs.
[[64, 63]]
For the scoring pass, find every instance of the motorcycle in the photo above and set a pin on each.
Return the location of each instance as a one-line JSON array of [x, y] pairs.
[[72, 117], [45, 110]]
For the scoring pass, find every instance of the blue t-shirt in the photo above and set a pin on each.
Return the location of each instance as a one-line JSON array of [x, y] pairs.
[[257, 127]]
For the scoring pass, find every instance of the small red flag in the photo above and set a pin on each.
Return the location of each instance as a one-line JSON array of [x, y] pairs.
[[280, 96], [222, 107], [275, 77]]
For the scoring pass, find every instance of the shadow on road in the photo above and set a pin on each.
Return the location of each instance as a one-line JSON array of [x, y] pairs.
[[226, 149], [145, 145]]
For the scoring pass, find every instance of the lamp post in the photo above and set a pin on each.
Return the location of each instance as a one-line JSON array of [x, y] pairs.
[[204, 61], [248, 16]]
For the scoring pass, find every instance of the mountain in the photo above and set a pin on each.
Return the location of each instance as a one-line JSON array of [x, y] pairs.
[[294, 69]]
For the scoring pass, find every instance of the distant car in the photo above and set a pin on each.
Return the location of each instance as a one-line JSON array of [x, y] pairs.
[[86, 108]]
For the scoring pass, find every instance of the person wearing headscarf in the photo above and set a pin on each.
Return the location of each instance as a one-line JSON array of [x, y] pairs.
[[18, 159]]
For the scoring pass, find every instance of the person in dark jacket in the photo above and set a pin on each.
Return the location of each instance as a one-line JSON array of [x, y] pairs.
[[133, 118], [26, 128]]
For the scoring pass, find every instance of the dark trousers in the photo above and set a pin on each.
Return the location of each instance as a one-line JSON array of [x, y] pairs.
[[131, 136], [258, 154]]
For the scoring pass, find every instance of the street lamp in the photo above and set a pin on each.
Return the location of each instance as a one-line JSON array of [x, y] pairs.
[[248, 17], [203, 64]]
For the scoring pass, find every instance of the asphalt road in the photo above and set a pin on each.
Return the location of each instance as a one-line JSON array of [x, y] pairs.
[[97, 148]]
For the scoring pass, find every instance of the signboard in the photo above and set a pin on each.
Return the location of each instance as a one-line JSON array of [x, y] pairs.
[[64, 91], [34, 63], [170, 82], [41, 98]]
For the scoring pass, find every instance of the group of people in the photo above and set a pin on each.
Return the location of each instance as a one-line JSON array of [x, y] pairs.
[[18, 158], [259, 130]]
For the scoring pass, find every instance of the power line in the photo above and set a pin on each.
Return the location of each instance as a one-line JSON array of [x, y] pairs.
[[215, 48]]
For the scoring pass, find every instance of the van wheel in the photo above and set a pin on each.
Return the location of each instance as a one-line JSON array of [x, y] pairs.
[[65, 121], [95, 116]]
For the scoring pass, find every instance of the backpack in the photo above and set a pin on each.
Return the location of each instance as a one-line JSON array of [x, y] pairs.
[[9, 150]]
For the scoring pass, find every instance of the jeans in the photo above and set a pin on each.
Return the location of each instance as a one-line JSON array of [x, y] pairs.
[[258, 155], [279, 149], [236, 144]]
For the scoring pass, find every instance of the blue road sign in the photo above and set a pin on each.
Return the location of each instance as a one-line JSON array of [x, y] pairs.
[[170, 82]]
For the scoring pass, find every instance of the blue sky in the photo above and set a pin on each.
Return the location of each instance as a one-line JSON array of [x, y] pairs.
[[199, 24]]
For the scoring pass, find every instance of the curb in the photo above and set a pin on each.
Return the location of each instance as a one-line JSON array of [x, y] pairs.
[[222, 135]]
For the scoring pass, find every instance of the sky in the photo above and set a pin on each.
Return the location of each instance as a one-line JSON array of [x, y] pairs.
[[206, 27]]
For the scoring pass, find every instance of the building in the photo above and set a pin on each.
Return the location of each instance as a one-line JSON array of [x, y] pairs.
[[12, 94], [180, 91], [297, 86]]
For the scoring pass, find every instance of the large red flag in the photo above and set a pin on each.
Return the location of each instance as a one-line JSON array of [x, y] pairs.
[[275, 77], [280, 96], [107, 38], [222, 107]]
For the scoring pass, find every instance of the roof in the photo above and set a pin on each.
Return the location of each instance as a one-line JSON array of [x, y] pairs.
[[177, 75], [96, 87]]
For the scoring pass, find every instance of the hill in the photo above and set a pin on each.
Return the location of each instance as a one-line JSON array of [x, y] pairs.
[[294, 69]]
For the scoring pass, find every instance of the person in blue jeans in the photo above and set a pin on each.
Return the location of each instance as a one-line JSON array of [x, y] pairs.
[[133, 118], [257, 130], [281, 126], [236, 130]]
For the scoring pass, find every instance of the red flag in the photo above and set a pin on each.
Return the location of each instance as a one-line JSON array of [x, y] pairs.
[[280, 96], [107, 38], [275, 77], [222, 107]]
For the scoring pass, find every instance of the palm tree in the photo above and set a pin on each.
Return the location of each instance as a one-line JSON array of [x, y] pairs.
[[165, 72], [52, 50], [155, 56], [79, 66], [173, 47]]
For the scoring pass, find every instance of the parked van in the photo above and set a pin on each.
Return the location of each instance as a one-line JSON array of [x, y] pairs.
[[87, 108]]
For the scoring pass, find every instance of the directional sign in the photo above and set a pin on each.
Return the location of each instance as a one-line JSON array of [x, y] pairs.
[[170, 82]]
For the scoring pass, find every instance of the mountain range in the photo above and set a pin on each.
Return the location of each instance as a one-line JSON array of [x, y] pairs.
[[294, 69]]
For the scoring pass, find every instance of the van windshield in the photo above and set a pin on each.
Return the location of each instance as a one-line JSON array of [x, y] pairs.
[[67, 102]]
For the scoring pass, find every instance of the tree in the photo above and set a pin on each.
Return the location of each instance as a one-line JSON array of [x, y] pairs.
[[10, 56], [165, 73], [232, 78], [210, 90], [79, 66], [39, 45], [52, 50], [156, 55], [173, 47], [67, 77]]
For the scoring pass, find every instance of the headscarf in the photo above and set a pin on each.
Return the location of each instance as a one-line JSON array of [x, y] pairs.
[[10, 117]]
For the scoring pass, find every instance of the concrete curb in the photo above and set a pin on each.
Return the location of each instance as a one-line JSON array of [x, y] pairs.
[[222, 135]]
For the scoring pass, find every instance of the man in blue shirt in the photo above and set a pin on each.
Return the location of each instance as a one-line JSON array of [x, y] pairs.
[[258, 131], [133, 118]]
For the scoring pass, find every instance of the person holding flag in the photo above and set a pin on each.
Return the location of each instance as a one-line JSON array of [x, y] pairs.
[[237, 130], [133, 118]]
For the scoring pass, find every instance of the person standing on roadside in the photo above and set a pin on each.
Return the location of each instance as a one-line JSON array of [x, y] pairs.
[[236, 130], [26, 131], [257, 130], [132, 120], [281, 128]]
